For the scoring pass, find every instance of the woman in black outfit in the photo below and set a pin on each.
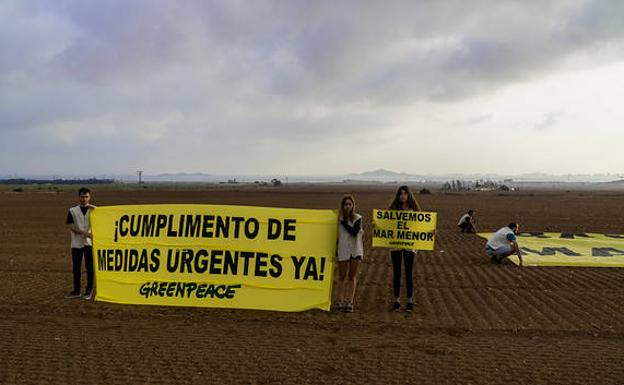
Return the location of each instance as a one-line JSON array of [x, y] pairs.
[[403, 200]]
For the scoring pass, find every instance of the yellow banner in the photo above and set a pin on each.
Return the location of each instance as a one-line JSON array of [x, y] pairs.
[[569, 249], [215, 256], [412, 230]]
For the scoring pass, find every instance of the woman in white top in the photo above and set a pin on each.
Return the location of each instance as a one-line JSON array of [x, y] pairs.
[[349, 252]]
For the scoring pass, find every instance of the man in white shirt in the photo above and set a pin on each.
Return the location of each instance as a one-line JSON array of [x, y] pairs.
[[466, 223], [81, 243], [503, 244]]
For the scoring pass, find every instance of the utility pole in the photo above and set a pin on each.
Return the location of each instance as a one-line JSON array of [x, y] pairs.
[[140, 172]]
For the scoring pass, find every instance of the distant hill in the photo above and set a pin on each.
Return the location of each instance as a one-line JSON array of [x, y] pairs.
[[381, 173], [614, 183]]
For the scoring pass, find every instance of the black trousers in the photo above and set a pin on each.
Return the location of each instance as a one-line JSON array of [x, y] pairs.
[[77, 255], [465, 227], [407, 257]]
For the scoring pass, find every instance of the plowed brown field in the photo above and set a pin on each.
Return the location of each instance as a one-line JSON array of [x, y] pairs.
[[474, 323]]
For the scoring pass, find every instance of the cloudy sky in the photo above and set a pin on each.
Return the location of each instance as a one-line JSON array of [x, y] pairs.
[[307, 87]]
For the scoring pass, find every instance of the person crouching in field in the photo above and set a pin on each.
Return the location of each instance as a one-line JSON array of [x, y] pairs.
[[349, 253], [503, 244], [467, 222], [81, 243], [403, 200]]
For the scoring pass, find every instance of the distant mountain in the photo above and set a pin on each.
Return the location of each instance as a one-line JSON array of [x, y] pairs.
[[613, 182], [381, 173]]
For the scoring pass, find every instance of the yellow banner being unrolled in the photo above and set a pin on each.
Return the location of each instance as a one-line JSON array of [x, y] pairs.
[[215, 256], [398, 229], [569, 249]]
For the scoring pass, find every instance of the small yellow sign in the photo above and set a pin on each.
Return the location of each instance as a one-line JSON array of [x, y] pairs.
[[402, 229]]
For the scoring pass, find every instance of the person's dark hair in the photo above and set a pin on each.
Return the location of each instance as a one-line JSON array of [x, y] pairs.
[[84, 190], [513, 225], [411, 201], [342, 202], [471, 211]]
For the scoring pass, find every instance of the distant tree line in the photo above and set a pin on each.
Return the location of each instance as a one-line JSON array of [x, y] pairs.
[[455, 185], [481, 184], [56, 181], [274, 182]]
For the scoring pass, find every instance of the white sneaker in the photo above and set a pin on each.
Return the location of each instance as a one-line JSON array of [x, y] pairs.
[[73, 294], [87, 295]]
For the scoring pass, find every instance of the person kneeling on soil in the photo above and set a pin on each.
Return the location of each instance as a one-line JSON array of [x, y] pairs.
[[503, 244], [466, 223]]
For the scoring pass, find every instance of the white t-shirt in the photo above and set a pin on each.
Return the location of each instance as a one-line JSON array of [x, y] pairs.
[[501, 238], [349, 245], [82, 222], [464, 218]]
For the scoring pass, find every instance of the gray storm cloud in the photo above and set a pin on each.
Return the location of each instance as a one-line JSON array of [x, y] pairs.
[[204, 82]]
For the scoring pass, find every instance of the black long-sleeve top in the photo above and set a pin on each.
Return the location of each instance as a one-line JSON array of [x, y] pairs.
[[353, 230]]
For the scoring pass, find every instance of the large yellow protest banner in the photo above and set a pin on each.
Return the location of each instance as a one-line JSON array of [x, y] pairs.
[[399, 229], [569, 249], [215, 256]]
